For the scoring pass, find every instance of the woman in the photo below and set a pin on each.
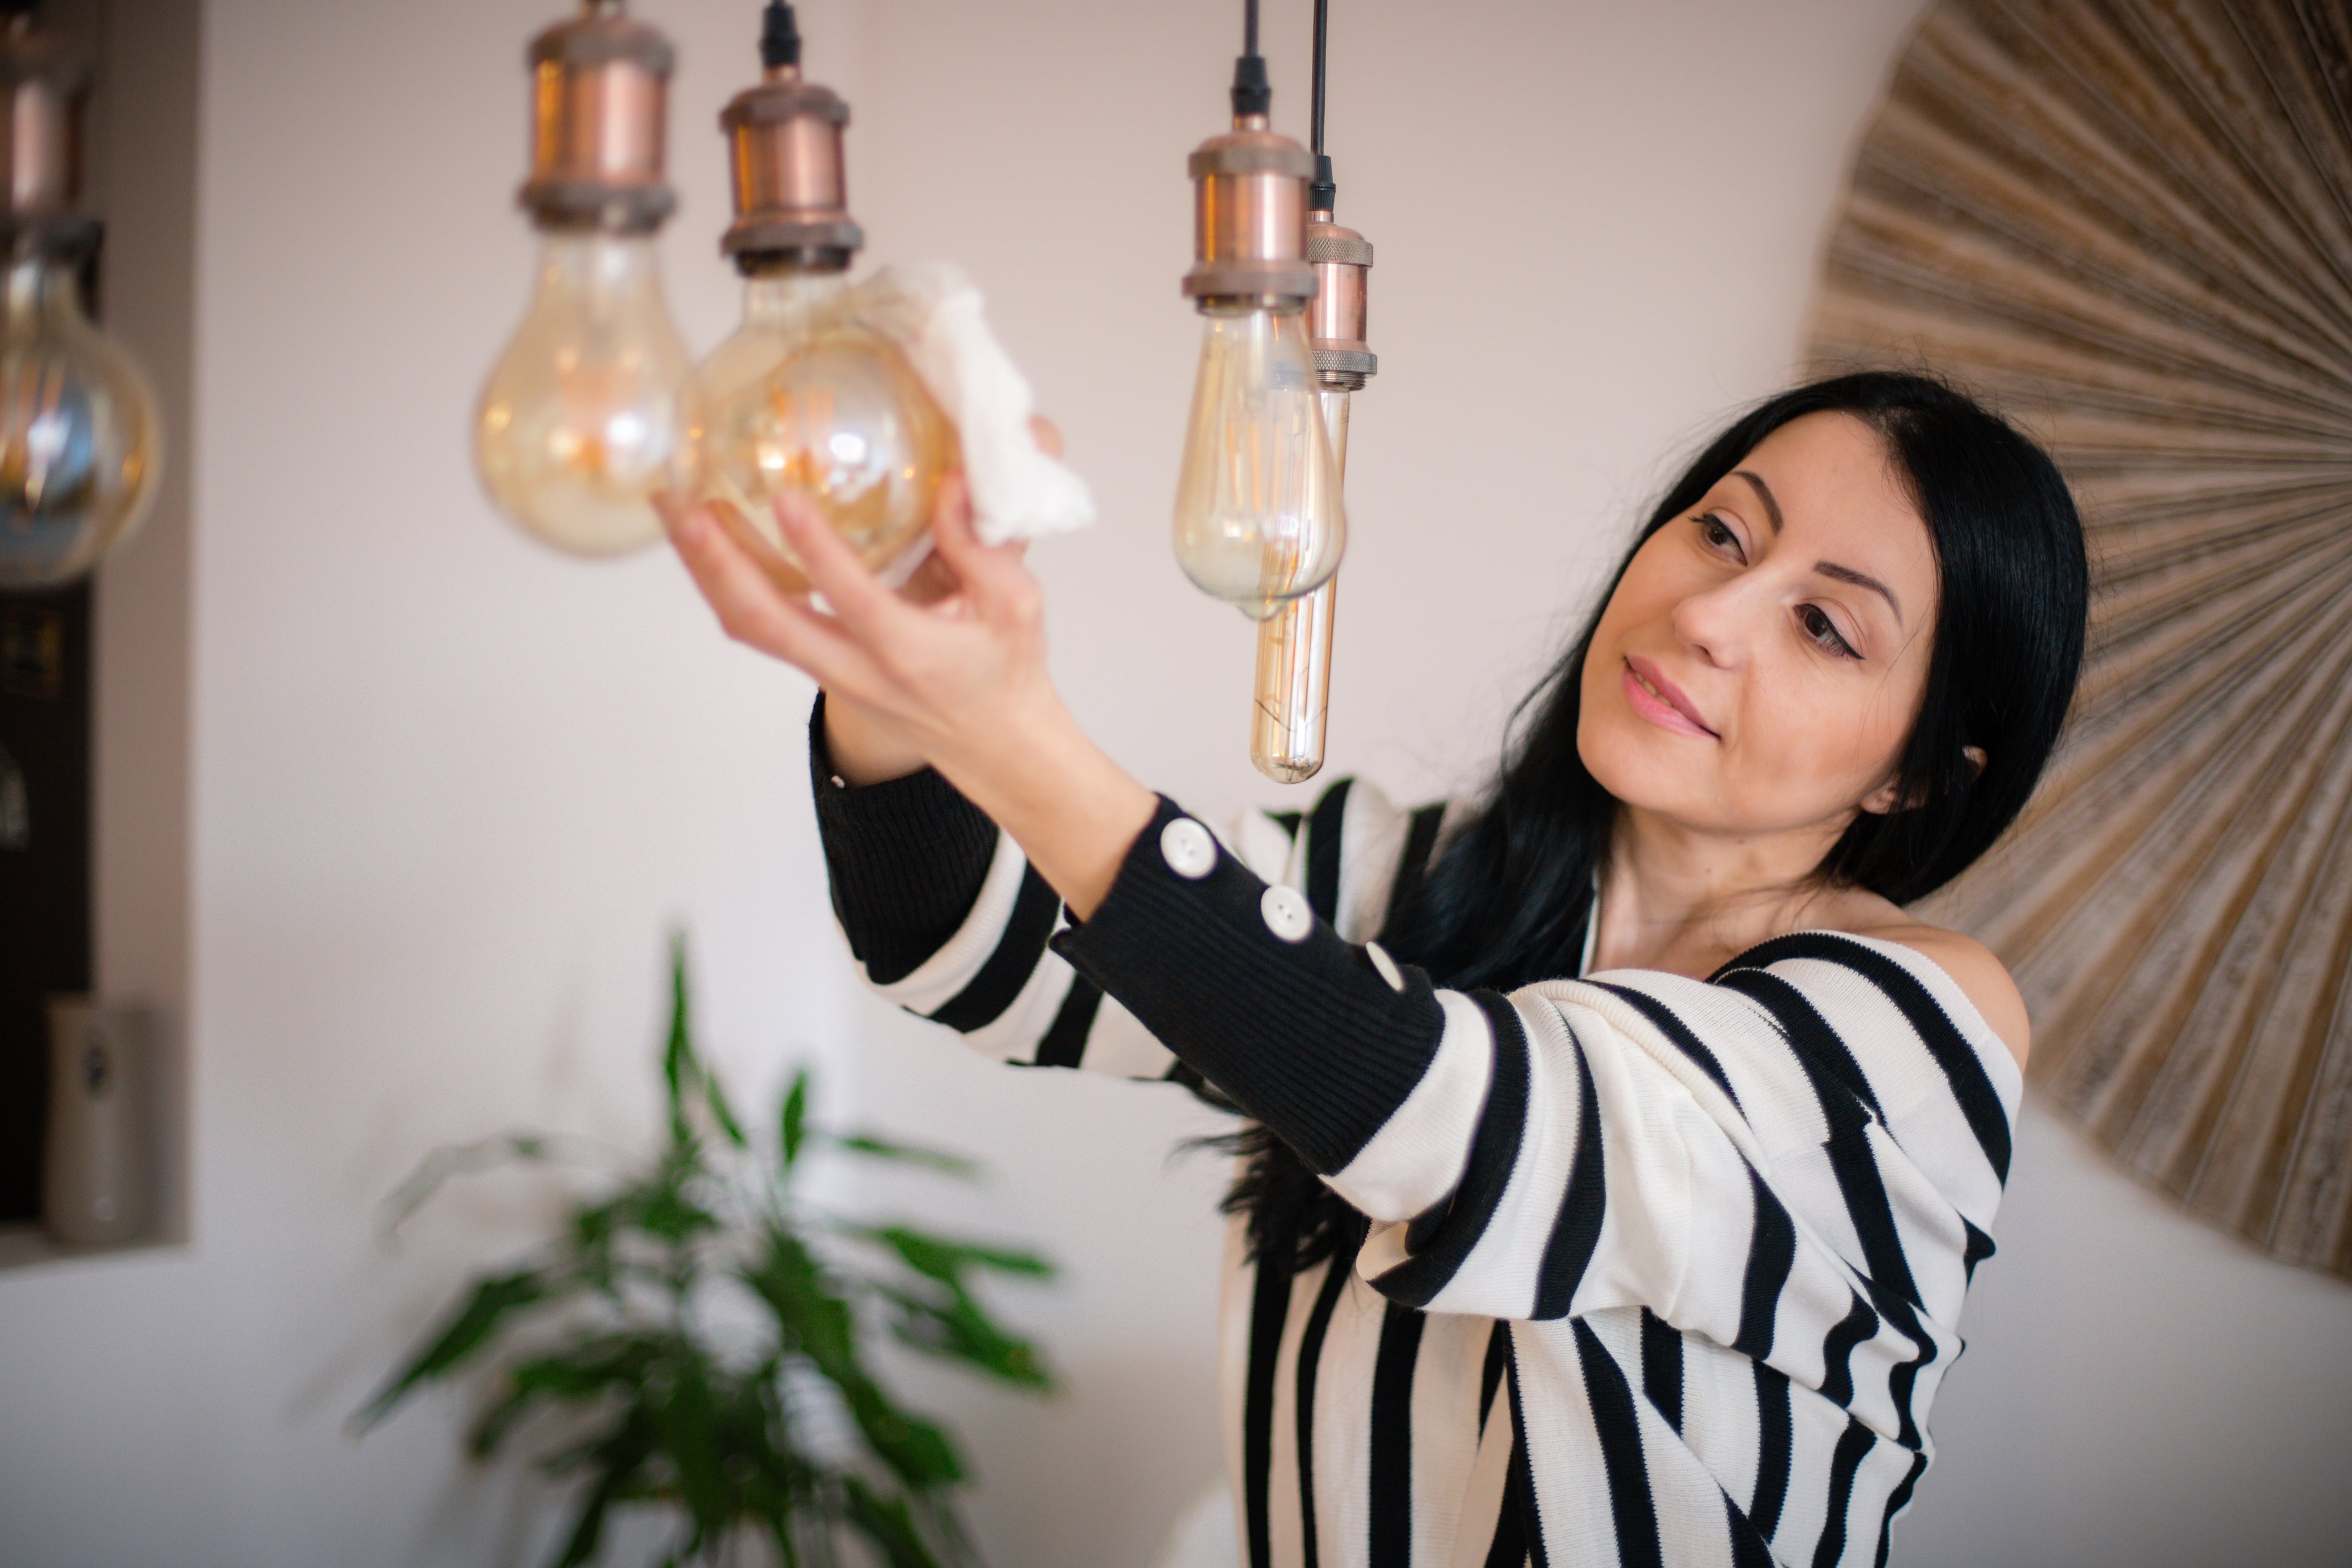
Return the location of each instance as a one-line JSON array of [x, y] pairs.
[[1659, 1266]]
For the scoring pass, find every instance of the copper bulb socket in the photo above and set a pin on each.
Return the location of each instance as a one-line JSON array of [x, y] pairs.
[[40, 141], [600, 108], [1249, 219], [1342, 260], [791, 201]]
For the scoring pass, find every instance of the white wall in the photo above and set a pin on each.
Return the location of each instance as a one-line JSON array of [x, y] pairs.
[[448, 789]]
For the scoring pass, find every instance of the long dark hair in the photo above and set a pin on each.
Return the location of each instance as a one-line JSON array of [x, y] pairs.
[[1504, 902]]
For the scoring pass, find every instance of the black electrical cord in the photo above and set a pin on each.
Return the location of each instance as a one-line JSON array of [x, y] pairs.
[[1251, 92], [1322, 30], [1323, 196], [780, 35]]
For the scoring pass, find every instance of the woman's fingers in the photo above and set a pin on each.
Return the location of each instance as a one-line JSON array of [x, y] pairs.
[[1046, 433], [755, 612], [932, 582], [788, 578], [856, 597], [992, 574]]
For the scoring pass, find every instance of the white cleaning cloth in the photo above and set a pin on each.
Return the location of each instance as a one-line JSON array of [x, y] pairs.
[[932, 312]]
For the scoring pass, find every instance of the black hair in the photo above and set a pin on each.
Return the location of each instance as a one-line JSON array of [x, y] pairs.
[[1506, 901]]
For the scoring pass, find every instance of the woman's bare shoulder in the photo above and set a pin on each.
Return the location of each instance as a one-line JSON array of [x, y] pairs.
[[1973, 966]]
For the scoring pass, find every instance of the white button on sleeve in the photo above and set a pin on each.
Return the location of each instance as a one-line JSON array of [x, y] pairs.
[[1187, 847], [1288, 913], [1385, 964]]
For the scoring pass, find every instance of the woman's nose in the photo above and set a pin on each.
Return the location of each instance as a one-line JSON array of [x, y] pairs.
[[1718, 623]]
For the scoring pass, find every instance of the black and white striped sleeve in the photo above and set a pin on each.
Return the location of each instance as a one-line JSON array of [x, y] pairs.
[[1575, 1145], [946, 918]]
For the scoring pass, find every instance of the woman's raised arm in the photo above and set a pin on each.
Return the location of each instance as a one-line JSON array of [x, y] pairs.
[[960, 683]]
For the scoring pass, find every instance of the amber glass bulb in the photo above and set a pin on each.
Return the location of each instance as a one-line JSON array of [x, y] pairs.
[[80, 444], [807, 398], [1294, 657], [584, 417], [1258, 515]]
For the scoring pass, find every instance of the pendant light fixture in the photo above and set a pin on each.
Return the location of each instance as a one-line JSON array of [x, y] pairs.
[[806, 396], [1294, 646], [584, 417], [80, 442], [1258, 518]]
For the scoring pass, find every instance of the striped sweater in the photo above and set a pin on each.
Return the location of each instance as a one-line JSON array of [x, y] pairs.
[[1661, 1271]]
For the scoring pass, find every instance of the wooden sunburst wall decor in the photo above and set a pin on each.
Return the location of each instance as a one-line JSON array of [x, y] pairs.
[[2129, 221]]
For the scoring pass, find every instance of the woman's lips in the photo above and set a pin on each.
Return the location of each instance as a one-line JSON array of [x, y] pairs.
[[1658, 699]]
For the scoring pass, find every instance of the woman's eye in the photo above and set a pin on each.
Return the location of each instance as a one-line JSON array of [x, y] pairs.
[[1823, 630], [1717, 533]]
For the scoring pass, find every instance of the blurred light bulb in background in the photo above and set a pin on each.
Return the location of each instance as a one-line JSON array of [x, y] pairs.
[[806, 396], [1258, 512], [80, 442], [585, 416]]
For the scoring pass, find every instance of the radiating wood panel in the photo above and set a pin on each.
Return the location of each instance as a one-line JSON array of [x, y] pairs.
[[2130, 223]]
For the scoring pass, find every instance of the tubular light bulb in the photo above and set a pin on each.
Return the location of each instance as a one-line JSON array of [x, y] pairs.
[[80, 444], [1294, 658], [1294, 648], [583, 417], [804, 398], [1259, 514]]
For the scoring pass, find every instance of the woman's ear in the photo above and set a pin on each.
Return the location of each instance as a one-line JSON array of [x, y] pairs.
[[1886, 799]]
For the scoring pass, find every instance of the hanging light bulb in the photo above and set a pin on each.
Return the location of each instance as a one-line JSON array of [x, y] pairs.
[[80, 442], [583, 416], [1258, 518], [1294, 646], [805, 396]]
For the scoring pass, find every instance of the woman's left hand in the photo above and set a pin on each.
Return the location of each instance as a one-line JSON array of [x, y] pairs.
[[960, 679], [948, 675]]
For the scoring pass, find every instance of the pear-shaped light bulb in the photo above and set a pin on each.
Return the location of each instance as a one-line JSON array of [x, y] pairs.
[[585, 416], [80, 442], [807, 397], [1259, 514]]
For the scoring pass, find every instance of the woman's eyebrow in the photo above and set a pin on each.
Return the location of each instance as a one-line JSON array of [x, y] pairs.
[[1862, 580], [1764, 493]]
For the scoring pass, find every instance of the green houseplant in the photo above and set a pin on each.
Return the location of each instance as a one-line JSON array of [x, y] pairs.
[[779, 1430]]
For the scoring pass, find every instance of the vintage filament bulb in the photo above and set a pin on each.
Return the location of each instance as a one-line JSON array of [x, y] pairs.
[[583, 416], [806, 398], [1258, 518], [1289, 722], [80, 442]]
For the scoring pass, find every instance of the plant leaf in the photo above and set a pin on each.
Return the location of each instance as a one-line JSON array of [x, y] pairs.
[[794, 1123], [884, 1148], [686, 1424], [946, 1259], [818, 1323], [456, 1160], [886, 1522], [678, 1066], [588, 1369], [960, 1329], [462, 1334], [621, 1454], [721, 1112]]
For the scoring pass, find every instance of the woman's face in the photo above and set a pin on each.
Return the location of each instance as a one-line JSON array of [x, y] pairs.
[[1761, 662]]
